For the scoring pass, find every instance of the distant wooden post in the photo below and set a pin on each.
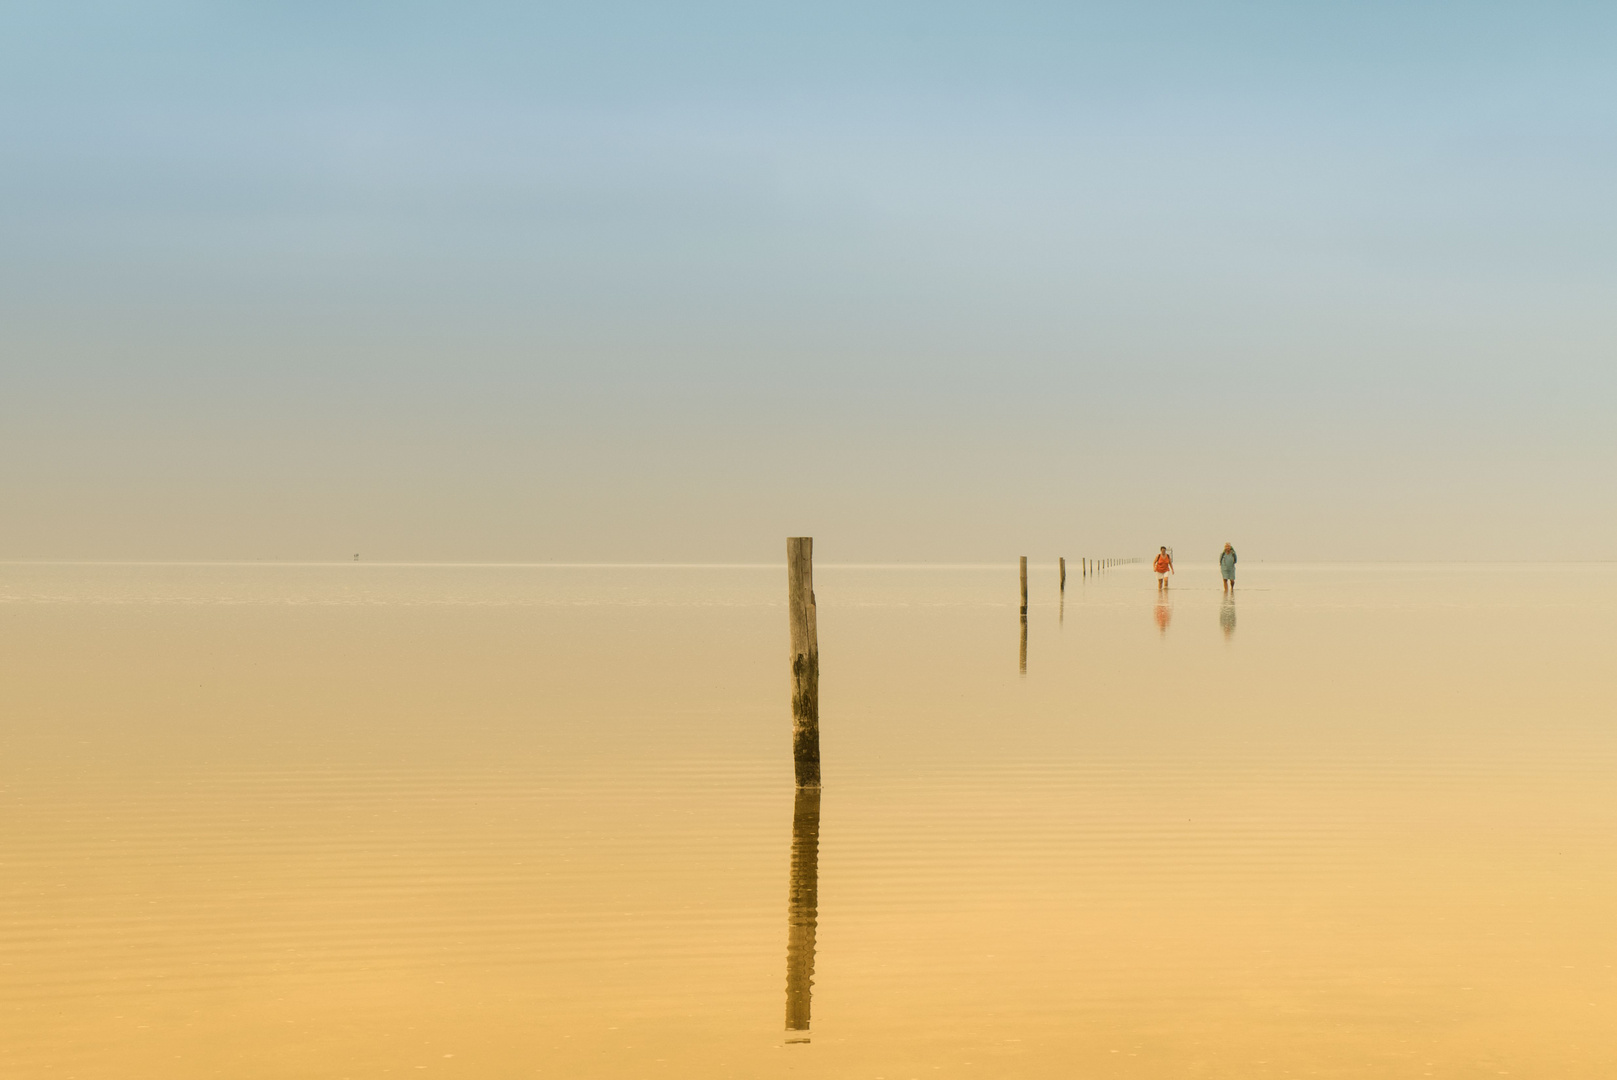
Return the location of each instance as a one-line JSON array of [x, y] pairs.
[[1063, 572], [1024, 584], [805, 660]]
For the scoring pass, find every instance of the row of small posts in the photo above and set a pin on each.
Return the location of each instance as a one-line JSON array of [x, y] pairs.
[[803, 885], [1087, 567], [806, 647]]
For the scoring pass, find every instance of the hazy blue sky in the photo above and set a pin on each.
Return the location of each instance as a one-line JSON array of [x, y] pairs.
[[928, 281]]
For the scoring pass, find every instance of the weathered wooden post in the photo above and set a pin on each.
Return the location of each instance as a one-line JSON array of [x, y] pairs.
[[1022, 662], [802, 912], [805, 660]]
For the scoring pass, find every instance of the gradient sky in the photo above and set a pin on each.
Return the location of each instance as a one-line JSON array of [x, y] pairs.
[[927, 281]]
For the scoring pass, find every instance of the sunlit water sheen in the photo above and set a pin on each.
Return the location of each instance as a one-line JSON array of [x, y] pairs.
[[356, 821]]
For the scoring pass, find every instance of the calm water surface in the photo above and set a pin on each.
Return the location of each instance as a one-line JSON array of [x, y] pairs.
[[359, 821]]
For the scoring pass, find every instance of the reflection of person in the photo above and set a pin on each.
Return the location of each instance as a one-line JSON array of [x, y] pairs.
[[1163, 614], [1226, 567], [1226, 616], [1163, 566]]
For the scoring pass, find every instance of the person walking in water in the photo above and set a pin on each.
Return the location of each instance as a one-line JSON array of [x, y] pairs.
[[1226, 567], [1163, 566]]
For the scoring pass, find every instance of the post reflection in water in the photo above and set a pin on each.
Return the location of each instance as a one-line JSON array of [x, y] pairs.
[[802, 914], [1022, 662], [1226, 617]]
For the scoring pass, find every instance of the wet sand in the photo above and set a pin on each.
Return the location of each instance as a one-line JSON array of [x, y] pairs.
[[357, 820]]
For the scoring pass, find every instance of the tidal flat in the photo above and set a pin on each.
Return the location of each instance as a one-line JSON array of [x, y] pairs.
[[355, 820]]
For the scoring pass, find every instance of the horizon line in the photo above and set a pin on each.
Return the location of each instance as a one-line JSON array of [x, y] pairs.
[[753, 565]]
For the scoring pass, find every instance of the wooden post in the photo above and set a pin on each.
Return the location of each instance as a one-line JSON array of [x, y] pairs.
[[805, 660], [802, 912], [1022, 656], [1063, 572]]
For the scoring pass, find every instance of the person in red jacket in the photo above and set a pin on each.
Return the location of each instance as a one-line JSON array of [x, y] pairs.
[[1163, 566]]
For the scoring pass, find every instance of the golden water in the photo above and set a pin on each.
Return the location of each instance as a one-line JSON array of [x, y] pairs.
[[359, 821]]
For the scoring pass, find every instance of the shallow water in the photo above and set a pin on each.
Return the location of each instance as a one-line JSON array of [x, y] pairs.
[[355, 820]]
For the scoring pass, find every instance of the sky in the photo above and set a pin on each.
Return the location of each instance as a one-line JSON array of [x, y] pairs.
[[929, 282]]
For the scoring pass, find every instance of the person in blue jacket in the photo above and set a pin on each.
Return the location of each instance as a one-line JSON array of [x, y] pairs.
[[1226, 567]]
